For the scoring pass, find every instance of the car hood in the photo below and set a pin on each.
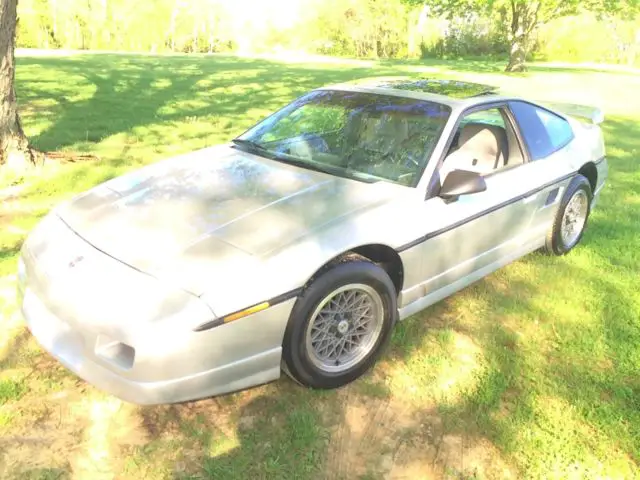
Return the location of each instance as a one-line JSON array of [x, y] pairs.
[[217, 208]]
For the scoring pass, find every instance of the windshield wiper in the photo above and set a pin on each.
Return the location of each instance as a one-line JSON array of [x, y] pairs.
[[304, 164], [260, 149], [250, 144], [288, 159]]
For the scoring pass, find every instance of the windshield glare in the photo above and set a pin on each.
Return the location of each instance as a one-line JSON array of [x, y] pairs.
[[357, 135]]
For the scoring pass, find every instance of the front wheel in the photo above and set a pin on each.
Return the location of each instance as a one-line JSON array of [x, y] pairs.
[[340, 325], [571, 219]]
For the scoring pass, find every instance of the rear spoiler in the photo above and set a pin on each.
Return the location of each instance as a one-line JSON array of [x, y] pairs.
[[591, 114]]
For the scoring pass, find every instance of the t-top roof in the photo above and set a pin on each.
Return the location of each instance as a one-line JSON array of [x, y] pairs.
[[449, 88]]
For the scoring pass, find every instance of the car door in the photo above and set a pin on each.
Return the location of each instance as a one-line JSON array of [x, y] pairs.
[[468, 238]]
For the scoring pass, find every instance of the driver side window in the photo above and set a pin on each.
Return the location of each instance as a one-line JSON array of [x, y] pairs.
[[484, 143]]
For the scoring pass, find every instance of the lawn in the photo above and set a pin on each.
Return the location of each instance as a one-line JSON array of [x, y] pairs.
[[530, 373]]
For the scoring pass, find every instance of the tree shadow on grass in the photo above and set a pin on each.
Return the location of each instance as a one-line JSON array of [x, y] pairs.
[[272, 431], [11, 251], [282, 430], [134, 110], [523, 396], [44, 474], [131, 92], [12, 354]]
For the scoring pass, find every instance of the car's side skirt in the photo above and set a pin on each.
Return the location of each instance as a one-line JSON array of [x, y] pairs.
[[444, 292]]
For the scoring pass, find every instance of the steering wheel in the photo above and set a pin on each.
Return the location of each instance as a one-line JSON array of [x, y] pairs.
[[409, 145], [301, 150], [304, 146]]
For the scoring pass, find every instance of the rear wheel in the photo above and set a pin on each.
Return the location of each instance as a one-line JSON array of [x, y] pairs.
[[340, 325], [571, 219]]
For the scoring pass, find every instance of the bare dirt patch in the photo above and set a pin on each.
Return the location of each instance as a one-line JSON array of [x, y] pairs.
[[404, 435], [80, 434], [367, 437], [219, 412], [391, 439]]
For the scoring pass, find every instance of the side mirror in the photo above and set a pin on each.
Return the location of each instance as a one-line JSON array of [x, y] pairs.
[[462, 182]]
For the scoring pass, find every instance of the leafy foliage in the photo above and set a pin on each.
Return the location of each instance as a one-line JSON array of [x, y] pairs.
[[353, 27], [521, 18], [356, 28]]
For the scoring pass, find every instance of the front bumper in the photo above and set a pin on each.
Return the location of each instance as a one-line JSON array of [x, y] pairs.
[[68, 347], [94, 333], [65, 345]]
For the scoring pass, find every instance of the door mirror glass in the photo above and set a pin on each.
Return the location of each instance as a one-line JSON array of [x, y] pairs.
[[462, 182]]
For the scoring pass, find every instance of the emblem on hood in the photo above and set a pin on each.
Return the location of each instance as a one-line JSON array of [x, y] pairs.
[[75, 261]]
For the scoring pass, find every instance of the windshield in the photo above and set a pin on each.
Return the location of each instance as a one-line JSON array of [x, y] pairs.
[[364, 136]]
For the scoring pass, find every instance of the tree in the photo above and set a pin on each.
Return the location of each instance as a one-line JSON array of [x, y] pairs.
[[523, 17], [15, 151]]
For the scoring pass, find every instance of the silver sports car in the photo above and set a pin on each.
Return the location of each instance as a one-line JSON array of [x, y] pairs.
[[300, 244]]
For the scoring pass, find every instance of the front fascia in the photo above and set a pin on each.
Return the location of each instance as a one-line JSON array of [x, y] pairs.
[[85, 286]]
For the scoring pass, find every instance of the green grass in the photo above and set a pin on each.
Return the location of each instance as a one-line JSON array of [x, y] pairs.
[[531, 372], [11, 390]]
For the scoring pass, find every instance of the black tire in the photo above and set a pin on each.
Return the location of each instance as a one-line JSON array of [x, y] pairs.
[[554, 244], [296, 357]]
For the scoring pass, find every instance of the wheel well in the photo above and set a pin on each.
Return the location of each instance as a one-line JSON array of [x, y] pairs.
[[590, 171], [382, 255], [387, 258]]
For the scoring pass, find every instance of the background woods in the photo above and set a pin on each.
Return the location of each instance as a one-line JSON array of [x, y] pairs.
[[595, 30]]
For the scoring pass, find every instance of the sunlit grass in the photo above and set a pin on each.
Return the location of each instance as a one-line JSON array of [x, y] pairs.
[[531, 373]]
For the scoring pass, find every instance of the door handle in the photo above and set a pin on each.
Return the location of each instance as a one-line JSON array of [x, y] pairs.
[[530, 198]]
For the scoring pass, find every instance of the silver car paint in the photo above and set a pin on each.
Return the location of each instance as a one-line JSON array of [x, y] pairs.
[[207, 234], [77, 300]]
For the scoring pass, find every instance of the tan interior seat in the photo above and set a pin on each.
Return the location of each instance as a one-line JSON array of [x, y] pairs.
[[482, 149]]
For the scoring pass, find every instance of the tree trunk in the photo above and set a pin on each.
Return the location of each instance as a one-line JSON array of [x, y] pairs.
[[518, 37], [172, 25], [15, 152], [55, 19], [106, 32], [517, 55], [194, 40]]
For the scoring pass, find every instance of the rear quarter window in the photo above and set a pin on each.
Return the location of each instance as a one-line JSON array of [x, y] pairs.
[[544, 132]]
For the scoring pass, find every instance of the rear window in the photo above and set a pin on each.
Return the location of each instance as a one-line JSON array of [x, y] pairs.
[[544, 132]]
